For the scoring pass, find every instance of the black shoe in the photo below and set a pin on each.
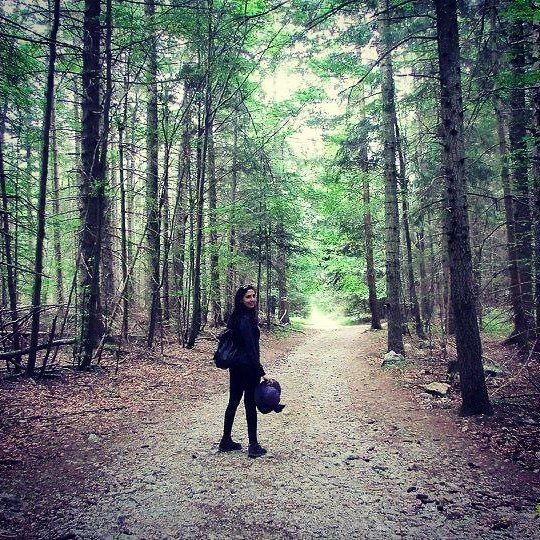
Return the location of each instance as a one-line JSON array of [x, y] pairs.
[[256, 450], [227, 445], [279, 408]]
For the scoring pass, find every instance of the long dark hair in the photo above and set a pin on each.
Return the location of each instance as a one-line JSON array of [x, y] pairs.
[[239, 307]]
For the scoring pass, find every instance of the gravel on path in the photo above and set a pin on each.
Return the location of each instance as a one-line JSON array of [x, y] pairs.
[[351, 456]]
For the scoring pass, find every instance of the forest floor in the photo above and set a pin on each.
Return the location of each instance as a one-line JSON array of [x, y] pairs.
[[358, 452]]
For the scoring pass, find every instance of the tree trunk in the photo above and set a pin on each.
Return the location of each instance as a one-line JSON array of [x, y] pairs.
[[413, 298], [202, 150], [92, 186], [152, 179], [281, 276], [166, 237], [30, 216], [448, 309], [230, 284], [56, 208], [368, 225], [270, 304], [184, 180], [8, 254], [130, 195], [107, 287], [202, 142], [393, 278], [40, 237], [215, 287], [425, 301], [536, 175], [518, 166], [520, 331], [475, 398], [166, 211], [107, 264], [123, 222]]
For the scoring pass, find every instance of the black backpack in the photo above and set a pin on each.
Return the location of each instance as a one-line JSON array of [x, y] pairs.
[[226, 353]]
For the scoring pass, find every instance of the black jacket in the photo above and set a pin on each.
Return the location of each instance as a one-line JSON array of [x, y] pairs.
[[247, 335]]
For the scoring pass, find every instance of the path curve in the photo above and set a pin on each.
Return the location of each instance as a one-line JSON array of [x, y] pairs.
[[352, 456]]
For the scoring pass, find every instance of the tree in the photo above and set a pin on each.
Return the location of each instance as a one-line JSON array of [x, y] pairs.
[[393, 273], [368, 224], [214, 284], [536, 173], [203, 135], [92, 186], [474, 394], [520, 330], [519, 165], [47, 117], [152, 178]]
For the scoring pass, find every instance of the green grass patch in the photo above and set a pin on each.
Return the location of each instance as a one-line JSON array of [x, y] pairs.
[[353, 320], [295, 324], [496, 322]]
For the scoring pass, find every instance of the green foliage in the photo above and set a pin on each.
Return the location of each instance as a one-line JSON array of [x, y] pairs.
[[18, 66], [296, 324], [296, 158], [496, 322], [521, 10]]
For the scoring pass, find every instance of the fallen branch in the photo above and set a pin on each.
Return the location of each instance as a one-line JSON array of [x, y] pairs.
[[57, 343], [516, 396]]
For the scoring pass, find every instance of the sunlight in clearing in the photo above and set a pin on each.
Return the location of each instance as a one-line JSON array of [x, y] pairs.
[[320, 320]]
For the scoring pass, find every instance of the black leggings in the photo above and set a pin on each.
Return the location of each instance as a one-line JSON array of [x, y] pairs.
[[242, 382]]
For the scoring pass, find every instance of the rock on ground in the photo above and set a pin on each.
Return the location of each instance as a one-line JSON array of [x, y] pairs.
[[437, 388]]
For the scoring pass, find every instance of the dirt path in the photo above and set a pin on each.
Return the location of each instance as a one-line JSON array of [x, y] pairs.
[[352, 455]]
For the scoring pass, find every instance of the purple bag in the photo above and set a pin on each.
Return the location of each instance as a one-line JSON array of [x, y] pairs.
[[267, 396]]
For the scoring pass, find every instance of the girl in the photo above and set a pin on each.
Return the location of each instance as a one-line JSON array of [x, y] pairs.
[[246, 374]]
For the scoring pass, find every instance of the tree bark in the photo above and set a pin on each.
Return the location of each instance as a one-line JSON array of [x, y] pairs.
[[518, 166], [270, 304], [215, 287], [413, 298], [165, 205], [8, 254], [393, 272], [230, 284], [536, 175], [152, 179], [520, 331], [474, 394], [368, 225], [40, 237], [184, 180], [107, 267], [519, 334], [126, 202], [205, 125], [202, 141], [425, 301], [92, 186], [56, 208], [123, 221], [281, 275]]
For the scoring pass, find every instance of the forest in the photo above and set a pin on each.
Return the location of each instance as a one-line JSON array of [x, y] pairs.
[[374, 161], [364, 155]]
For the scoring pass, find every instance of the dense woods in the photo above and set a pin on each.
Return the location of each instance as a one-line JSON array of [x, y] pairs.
[[378, 158]]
